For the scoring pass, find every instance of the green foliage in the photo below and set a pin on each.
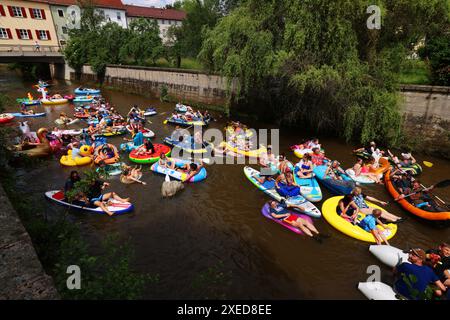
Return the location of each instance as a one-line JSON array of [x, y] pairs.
[[4, 101], [106, 276], [437, 51], [410, 280], [84, 185], [199, 15], [98, 43], [143, 41], [415, 71], [31, 71], [319, 61], [211, 283], [163, 93]]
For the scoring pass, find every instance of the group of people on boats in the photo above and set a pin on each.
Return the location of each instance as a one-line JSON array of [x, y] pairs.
[[189, 116], [94, 196], [190, 169]]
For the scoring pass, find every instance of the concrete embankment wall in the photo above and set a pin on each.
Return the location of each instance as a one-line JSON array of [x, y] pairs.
[[426, 109], [21, 272], [187, 85]]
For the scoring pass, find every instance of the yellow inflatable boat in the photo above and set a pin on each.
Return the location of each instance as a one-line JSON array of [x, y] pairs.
[[330, 214], [251, 153]]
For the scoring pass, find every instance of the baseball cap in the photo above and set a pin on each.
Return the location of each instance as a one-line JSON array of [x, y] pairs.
[[417, 252]]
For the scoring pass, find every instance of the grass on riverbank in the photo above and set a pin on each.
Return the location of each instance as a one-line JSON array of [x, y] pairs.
[[186, 63], [415, 72]]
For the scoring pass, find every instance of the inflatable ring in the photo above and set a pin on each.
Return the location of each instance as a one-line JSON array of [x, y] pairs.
[[69, 161], [98, 157], [150, 158]]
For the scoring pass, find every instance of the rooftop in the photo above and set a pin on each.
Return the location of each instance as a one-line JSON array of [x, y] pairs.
[[113, 4], [156, 13]]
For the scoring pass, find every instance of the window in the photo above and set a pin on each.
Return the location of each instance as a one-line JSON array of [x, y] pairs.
[[64, 30], [159, 21], [43, 35], [61, 12], [4, 33], [23, 34], [17, 12], [102, 13], [36, 13], [119, 17]]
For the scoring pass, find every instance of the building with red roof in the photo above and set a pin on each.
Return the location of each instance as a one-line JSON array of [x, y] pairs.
[[164, 17]]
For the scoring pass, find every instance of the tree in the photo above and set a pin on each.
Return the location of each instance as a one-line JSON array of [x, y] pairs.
[[318, 60], [199, 15], [437, 52], [143, 41], [174, 48]]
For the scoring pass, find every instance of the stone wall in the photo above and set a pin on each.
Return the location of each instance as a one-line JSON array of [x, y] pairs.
[[426, 111], [187, 85], [21, 272]]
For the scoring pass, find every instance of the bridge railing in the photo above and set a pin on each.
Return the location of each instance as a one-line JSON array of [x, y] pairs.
[[30, 48]]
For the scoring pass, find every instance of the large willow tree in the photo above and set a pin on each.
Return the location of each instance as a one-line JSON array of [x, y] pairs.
[[315, 63]]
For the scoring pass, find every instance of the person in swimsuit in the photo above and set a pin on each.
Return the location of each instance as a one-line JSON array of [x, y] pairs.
[[280, 212], [191, 169], [132, 174], [357, 167], [165, 161], [371, 165], [305, 166], [347, 209], [284, 164]]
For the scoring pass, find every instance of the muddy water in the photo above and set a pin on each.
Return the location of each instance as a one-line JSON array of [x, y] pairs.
[[217, 224]]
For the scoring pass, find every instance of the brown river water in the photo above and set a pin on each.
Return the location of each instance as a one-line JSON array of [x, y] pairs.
[[217, 224]]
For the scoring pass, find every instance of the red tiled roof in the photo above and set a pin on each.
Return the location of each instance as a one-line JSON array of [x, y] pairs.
[[156, 13], [113, 4]]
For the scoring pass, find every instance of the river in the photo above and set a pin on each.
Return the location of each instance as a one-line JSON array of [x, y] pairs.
[[217, 224]]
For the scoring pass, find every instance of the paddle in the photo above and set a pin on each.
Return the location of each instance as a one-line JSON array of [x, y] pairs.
[[403, 171], [428, 164], [440, 184]]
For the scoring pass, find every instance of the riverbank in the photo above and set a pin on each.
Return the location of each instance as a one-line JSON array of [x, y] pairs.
[[22, 275]]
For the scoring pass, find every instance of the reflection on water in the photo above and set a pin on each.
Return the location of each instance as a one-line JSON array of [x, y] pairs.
[[218, 223]]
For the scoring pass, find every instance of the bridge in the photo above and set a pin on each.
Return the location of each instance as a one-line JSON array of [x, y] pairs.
[[29, 53]]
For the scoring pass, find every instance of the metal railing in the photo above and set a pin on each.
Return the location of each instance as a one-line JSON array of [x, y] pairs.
[[30, 48]]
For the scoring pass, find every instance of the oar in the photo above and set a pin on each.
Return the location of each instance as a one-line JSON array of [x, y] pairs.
[[441, 184], [403, 171]]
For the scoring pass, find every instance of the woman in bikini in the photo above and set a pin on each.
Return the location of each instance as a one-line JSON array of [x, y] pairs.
[[305, 166]]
